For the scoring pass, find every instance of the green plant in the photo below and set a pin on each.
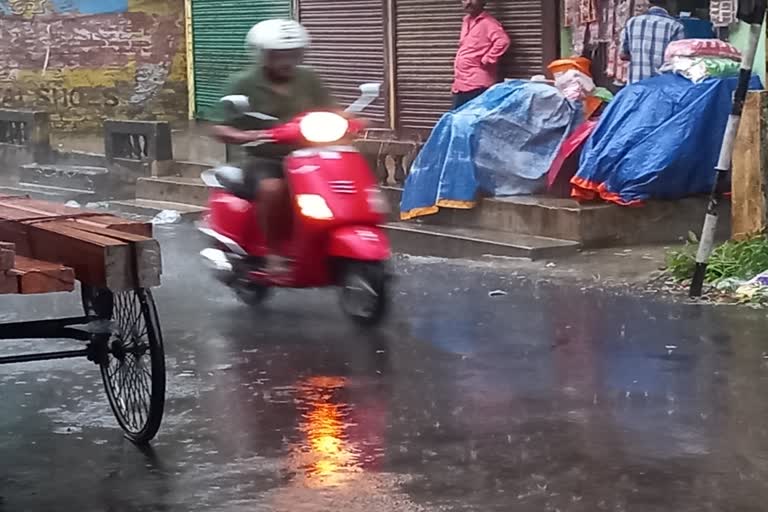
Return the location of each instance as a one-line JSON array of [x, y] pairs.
[[741, 259]]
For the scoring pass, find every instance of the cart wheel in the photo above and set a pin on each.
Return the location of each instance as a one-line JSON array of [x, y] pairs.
[[133, 370]]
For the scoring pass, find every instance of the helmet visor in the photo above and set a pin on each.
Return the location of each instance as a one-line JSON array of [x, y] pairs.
[[283, 58]]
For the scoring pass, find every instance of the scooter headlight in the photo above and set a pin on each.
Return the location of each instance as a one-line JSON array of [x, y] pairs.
[[314, 207], [323, 127]]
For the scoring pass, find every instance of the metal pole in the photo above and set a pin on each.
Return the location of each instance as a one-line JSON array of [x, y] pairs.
[[48, 356], [707, 240]]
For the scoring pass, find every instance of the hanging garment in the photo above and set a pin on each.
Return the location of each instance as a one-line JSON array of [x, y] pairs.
[[605, 21], [617, 68], [587, 11], [723, 12], [571, 13]]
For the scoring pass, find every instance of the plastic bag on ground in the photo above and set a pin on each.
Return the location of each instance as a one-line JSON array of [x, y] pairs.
[[755, 288], [167, 217], [760, 279]]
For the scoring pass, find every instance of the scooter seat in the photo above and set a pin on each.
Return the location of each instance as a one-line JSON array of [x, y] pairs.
[[236, 181]]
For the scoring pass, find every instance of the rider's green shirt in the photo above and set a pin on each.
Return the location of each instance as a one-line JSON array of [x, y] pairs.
[[306, 92]]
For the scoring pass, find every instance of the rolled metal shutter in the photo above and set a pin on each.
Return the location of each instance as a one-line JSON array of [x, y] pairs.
[[426, 40], [219, 28], [532, 29], [347, 47]]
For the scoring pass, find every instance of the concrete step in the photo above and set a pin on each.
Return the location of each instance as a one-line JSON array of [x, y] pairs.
[[42, 192], [63, 157], [174, 189], [455, 242], [75, 177], [591, 224], [150, 208], [189, 169]]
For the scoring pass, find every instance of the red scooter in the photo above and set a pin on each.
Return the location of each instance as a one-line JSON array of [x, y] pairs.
[[333, 235]]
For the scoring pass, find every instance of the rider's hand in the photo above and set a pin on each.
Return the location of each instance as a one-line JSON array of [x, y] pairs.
[[253, 135], [230, 135]]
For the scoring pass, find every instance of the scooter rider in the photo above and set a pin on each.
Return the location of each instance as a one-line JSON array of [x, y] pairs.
[[279, 86]]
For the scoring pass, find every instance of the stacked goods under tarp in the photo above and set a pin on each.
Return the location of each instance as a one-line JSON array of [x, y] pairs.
[[574, 79], [659, 139], [46, 246], [699, 59]]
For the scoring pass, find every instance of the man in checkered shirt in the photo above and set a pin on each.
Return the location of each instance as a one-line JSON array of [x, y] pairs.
[[645, 39]]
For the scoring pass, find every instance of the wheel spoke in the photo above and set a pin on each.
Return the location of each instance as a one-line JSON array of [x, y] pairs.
[[129, 374]]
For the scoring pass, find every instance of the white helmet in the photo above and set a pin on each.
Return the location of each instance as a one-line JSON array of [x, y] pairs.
[[277, 35]]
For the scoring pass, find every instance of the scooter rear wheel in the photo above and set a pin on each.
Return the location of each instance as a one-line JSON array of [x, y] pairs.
[[365, 293]]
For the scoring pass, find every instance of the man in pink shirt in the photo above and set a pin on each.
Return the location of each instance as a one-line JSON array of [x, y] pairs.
[[483, 42]]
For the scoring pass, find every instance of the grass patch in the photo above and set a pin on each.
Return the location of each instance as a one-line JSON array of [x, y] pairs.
[[742, 259]]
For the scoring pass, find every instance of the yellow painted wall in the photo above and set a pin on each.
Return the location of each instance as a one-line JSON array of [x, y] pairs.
[[126, 62]]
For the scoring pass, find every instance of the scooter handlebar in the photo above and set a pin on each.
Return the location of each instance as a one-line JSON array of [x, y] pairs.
[[290, 133]]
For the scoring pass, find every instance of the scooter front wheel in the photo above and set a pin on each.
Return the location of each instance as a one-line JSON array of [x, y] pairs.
[[250, 293], [365, 292]]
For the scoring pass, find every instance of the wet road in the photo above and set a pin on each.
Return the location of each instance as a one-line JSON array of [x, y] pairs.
[[547, 399]]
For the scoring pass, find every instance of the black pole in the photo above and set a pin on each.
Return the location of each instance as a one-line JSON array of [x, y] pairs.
[[707, 240]]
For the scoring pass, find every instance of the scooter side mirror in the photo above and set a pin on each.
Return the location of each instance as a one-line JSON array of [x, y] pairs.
[[239, 103], [368, 94], [371, 89]]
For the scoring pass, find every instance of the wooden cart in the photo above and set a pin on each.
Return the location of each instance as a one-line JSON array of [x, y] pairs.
[[45, 248]]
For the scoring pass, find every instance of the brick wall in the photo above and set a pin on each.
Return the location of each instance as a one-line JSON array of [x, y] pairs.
[[86, 60]]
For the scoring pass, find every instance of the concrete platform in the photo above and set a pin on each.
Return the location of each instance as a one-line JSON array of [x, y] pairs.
[[526, 227], [175, 189], [591, 224], [75, 177], [150, 208], [461, 242], [47, 193]]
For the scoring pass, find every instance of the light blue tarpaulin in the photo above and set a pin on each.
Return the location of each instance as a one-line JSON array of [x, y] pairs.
[[501, 144]]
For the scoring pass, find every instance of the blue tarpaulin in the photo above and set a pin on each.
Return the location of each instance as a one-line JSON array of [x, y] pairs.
[[501, 143], [659, 139]]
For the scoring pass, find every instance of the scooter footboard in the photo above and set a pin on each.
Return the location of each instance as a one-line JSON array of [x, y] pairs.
[[362, 243]]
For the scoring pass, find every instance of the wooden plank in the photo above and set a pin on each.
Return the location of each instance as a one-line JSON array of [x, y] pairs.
[[104, 250], [16, 233], [97, 260], [7, 256], [120, 224], [16, 214], [9, 283], [33, 210], [145, 250], [44, 208], [749, 182], [35, 276]]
